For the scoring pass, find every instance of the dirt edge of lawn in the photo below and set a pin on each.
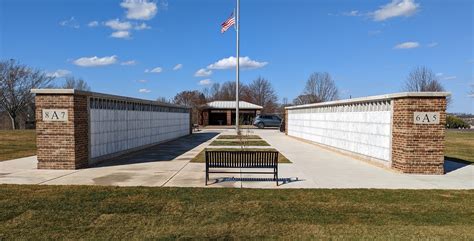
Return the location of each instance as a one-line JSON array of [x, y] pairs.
[[236, 137], [200, 158], [239, 143]]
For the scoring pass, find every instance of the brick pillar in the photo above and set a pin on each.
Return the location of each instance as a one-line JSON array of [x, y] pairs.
[[62, 144], [205, 117], [229, 117], [286, 121], [418, 148]]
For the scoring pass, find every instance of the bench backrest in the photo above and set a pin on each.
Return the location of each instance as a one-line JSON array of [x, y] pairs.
[[242, 159]]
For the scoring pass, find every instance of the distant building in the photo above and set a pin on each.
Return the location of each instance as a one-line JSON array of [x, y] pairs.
[[223, 113]]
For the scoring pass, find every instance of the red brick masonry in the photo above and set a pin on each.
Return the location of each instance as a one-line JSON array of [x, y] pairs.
[[62, 145], [418, 148]]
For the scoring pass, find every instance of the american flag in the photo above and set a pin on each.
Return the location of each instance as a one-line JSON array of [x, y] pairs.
[[228, 23]]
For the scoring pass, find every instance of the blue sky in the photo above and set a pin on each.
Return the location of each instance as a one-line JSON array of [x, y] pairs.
[[124, 46]]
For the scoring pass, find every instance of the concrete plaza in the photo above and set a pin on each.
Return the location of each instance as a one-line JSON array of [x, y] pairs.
[[168, 164]]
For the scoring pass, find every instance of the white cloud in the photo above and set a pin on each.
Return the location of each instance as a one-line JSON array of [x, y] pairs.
[[231, 62], [116, 24], [203, 73], [353, 13], [142, 81], [144, 90], [71, 23], [130, 62], [120, 34], [407, 45], [443, 77], [155, 70], [205, 82], [177, 67], [449, 77], [432, 45], [95, 61], [141, 26], [93, 24], [396, 8], [139, 9], [60, 73]]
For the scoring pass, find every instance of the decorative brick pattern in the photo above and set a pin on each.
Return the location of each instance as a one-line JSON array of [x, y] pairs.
[[418, 148], [62, 145]]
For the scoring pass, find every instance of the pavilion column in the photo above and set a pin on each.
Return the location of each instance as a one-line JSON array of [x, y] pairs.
[[229, 117], [205, 118]]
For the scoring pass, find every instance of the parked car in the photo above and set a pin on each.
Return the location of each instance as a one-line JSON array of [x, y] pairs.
[[262, 121]]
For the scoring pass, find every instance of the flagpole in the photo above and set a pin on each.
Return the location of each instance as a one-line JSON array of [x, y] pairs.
[[237, 80]]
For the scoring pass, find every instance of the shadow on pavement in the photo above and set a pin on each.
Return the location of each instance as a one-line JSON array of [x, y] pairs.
[[453, 164], [281, 181], [167, 151]]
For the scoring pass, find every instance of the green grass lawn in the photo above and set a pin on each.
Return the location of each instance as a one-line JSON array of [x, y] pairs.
[[98, 213], [236, 137], [201, 158], [460, 145], [17, 143], [239, 143]]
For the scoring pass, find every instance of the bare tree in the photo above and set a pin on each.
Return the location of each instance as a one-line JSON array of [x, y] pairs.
[[76, 83], [214, 91], [304, 99], [163, 100], [227, 91], [16, 82], [320, 87], [194, 99], [422, 79], [261, 92]]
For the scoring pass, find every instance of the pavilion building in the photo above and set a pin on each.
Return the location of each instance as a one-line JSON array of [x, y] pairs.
[[223, 113]]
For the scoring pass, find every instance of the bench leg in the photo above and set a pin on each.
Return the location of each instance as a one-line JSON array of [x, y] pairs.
[[276, 176]]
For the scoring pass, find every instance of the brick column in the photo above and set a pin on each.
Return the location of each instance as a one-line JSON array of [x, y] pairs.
[[62, 144], [229, 117], [205, 118], [286, 121], [418, 148]]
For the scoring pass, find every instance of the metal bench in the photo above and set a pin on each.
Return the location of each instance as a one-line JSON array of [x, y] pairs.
[[242, 159]]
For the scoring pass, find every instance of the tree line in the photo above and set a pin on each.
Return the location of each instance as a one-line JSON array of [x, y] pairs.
[[16, 81]]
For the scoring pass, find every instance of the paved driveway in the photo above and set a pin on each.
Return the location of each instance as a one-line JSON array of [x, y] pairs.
[[169, 164]]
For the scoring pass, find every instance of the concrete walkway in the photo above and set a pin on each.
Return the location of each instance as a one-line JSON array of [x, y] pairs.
[[169, 164]]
